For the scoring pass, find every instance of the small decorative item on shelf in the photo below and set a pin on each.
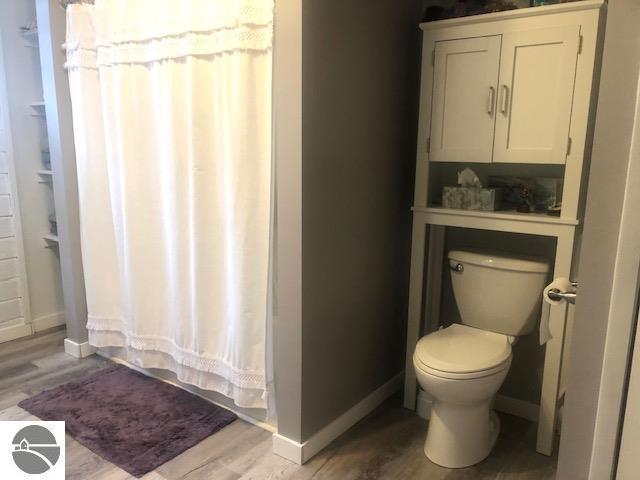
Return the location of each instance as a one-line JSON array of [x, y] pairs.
[[547, 193], [525, 194], [53, 224], [471, 198], [470, 195], [554, 210], [512, 188], [524, 206]]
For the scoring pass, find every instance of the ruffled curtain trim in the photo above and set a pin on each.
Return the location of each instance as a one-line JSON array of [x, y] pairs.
[[114, 330], [229, 26]]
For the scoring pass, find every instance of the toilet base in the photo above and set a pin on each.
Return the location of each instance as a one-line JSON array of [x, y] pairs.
[[461, 435]]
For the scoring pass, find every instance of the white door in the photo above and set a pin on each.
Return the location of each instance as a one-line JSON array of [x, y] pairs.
[[629, 460], [15, 320], [537, 73], [464, 97]]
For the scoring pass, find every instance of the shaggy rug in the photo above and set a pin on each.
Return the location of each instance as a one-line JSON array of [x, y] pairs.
[[133, 421]]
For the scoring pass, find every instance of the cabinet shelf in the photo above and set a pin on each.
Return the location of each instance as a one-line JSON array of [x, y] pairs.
[[504, 221]]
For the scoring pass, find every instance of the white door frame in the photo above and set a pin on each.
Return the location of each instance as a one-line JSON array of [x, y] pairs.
[[628, 463], [609, 263], [26, 328]]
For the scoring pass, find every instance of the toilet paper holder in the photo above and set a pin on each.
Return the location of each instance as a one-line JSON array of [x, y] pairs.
[[569, 297]]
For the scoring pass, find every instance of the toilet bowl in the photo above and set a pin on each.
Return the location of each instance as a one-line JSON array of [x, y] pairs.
[[462, 428], [463, 366]]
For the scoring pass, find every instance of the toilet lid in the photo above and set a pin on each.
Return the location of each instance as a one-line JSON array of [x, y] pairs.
[[462, 349]]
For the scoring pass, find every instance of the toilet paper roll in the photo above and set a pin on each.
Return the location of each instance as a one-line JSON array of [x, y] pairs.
[[562, 284]]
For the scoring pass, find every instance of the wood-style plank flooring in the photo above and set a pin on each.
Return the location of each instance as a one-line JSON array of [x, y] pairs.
[[385, 445]]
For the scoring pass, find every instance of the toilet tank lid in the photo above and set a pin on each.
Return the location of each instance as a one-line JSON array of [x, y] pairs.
[[500, 260]]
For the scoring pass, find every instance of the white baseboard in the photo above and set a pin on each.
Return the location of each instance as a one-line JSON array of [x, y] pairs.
[[287, 448], [48, 321], [78, 350], [517, 407], [502, 403], [14, 332], [302, 452]]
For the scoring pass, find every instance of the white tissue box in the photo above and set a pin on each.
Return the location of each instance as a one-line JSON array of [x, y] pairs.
[[471, 198]]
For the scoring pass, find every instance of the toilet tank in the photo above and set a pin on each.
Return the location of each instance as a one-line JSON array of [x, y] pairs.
[[498, 292]]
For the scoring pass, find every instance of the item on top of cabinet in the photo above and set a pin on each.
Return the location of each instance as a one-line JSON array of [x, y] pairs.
[[547, 193], [465, 8], [434, 13], [498, 6], [542, 3]]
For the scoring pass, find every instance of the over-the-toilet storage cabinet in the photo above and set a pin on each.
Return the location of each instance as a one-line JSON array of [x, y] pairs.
[[512, 88]]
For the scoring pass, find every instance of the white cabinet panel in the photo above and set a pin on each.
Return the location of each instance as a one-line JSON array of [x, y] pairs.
[[11, 310], [464, 94], [5, 184], [7, 227], [9, 268], [8, 248], [537, 74]]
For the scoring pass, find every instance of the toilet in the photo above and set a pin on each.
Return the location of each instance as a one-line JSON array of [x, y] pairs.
[[462, 366]]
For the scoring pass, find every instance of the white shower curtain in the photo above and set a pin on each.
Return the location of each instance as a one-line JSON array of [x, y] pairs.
[[172, 120]]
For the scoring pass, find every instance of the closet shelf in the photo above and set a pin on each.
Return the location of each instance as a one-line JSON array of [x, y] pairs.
[[37, 108], [29, 32], [44, 176], [50, 240]]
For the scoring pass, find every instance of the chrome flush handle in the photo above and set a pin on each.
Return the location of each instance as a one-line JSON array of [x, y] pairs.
[[458, 267]]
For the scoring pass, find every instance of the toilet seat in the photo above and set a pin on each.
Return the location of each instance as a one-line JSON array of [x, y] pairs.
[[462, 352]]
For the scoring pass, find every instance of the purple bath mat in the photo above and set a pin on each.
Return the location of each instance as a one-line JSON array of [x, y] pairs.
[[133, 421]]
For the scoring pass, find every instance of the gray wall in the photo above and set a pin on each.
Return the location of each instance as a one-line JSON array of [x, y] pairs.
[[287, 314], [55, 83], [587, 451], [359, 80]]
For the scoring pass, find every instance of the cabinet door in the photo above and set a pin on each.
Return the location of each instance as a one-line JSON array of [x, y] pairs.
[[464, 97], [537, 74]]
